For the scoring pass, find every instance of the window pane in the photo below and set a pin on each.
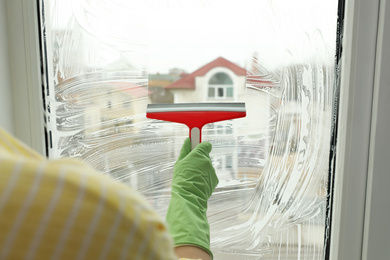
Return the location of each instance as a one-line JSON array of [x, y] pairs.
[[229, 162], [271, 199], [220, 78], [211, 92], [229, 92], [220, 92]]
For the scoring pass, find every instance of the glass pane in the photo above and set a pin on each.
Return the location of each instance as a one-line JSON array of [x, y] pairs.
[[106, 60], [211, 92], [229, 162], [229, 92], [221, 78], [220, 92]]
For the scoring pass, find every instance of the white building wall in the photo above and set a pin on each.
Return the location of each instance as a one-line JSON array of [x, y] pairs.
[[257, 105], [186, 96]]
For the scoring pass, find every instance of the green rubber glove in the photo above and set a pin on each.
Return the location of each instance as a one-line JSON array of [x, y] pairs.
[[193, 182]]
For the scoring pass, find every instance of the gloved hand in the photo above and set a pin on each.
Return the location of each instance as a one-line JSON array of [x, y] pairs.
[[193, 182]]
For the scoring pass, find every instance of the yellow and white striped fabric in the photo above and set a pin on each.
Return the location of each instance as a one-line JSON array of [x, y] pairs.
[[63, 209]]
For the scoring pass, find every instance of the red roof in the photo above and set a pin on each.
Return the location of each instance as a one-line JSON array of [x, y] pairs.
[[188, 81]]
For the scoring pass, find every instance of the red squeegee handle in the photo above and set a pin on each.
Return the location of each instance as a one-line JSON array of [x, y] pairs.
[[195, 120]]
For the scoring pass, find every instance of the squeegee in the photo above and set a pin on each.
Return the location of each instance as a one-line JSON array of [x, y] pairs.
[[195, 115]]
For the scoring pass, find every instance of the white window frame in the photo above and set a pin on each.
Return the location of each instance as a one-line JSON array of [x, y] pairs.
[[360, 200], [24, 63], [360, 216]]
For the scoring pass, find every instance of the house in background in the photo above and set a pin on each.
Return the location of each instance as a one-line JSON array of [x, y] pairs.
[[224, 81], [98, 109], [217, 81]]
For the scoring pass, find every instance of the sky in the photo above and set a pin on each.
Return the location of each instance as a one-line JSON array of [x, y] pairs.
[[190, 37], [188, 34]]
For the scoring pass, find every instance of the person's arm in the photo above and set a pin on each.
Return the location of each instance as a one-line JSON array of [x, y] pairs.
[[191, 252], [64, 209], [193, 182]]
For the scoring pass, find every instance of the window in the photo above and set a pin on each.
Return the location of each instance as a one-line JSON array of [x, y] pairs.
[[220, 92], [229, 91], [220, 78], [273, 202], [220, 86], [229, 162], [211, 92]]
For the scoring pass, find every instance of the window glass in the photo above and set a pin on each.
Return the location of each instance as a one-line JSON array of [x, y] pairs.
[[229, 91], [211, 92], [106, 60], [220, 78], [220, 92], [229, 161]]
